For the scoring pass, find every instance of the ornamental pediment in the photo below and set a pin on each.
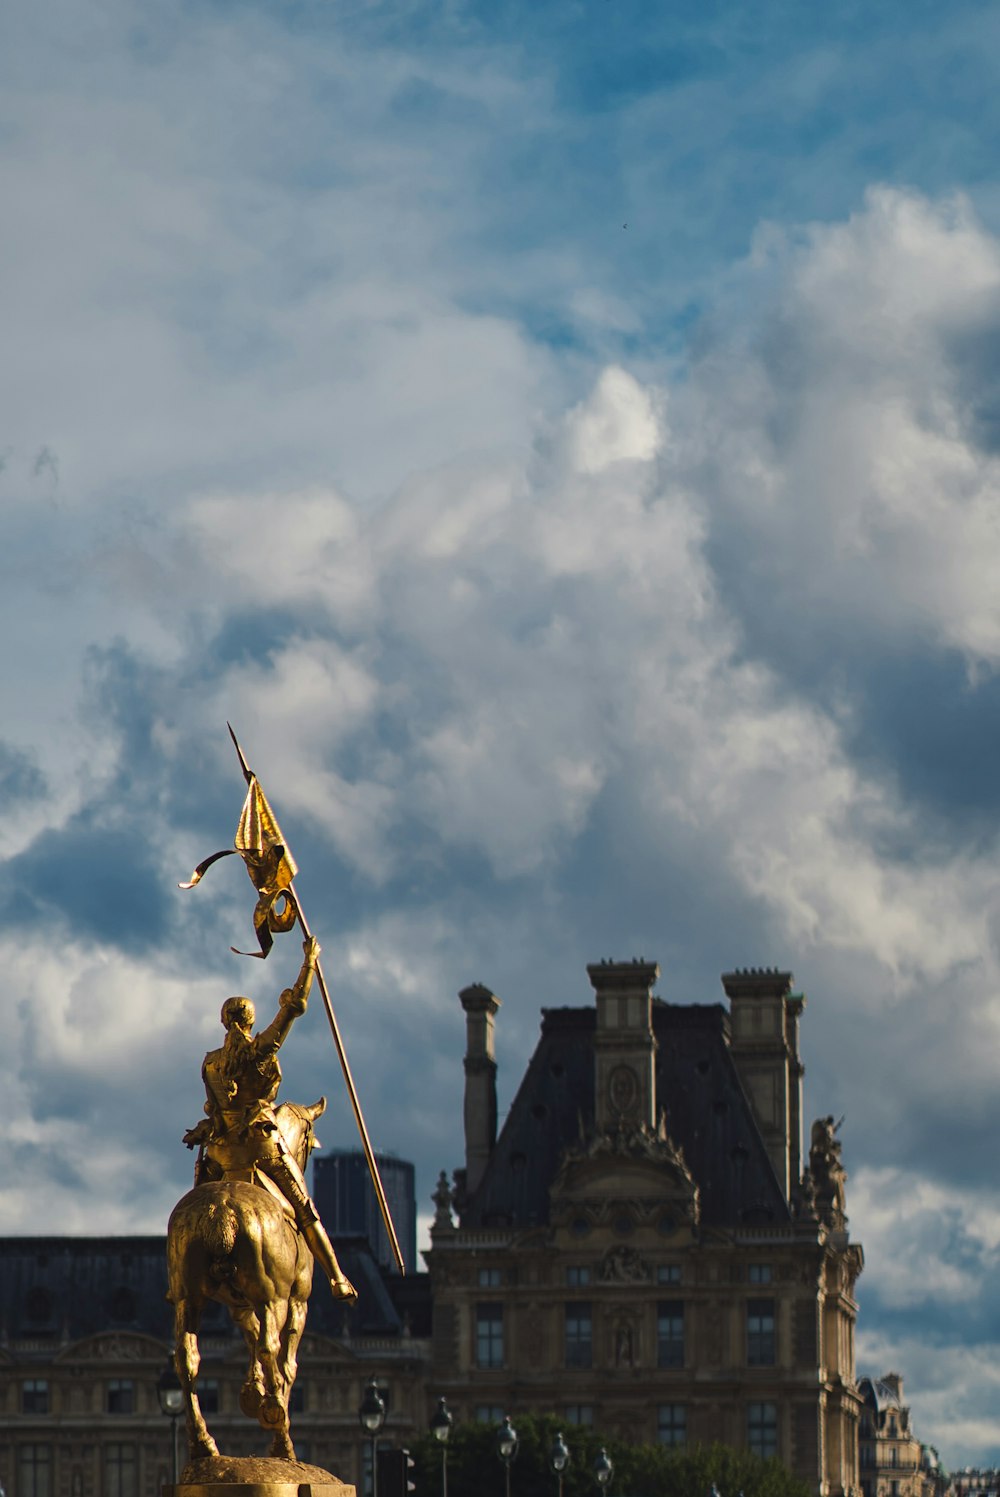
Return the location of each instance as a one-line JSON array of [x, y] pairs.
[[639, 1163], [114, 1346], [317, 1348]]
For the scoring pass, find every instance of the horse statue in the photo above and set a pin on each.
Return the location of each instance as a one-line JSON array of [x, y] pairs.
[[236, 1242]]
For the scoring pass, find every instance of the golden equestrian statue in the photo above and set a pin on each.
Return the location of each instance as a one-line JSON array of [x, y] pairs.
[[247, 1235]]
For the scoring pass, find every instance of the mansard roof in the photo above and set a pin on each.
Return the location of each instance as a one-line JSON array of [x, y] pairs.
[[879, 1395], [58, 1290], [707, 1114]]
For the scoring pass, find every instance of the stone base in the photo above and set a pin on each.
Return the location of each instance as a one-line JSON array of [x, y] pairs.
[[255, 1476]]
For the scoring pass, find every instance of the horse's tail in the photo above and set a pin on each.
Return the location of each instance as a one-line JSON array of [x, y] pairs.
[[220, 1229]]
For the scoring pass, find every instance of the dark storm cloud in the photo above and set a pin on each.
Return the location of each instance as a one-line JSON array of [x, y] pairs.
[[100, 885]]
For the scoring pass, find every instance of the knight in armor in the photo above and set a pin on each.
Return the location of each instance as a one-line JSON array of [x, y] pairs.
[[240, 1138]]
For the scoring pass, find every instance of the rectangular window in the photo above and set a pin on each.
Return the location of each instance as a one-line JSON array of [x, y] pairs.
[[489, 1413], [34, 1471], [671, 1424], [668, 1273], [121, 1396], [670, 1333], [34, 1396], [489, 1335], [208, 1394], [579, 1334], [581, 1414], [760, 1333], [120, 1473], [489, 1278], [578, 1277], [762, 1428], [759, 1273]]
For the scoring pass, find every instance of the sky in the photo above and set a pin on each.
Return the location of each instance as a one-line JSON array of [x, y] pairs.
[[564, 441]]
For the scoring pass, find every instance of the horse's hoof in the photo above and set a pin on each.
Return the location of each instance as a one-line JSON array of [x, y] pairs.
[[343, 1289], [204, 1448], [272, 1412], [250, 1400], [282, 1449]]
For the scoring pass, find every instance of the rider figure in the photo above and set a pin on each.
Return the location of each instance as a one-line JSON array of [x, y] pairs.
[[240, 1138]]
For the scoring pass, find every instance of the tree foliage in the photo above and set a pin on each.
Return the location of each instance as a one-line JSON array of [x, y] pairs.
[[475, 1469]]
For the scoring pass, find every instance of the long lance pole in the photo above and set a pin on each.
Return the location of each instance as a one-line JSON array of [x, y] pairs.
[[352, 1092], [383, 1204]]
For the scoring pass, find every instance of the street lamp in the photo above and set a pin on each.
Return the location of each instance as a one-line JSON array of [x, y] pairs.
[[559, 1459], [507, 1443], [371, 1415], [441, 1425], [171, 1397], [603, 1470]]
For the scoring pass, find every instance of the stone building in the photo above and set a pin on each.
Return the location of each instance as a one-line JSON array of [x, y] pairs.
[[86, 1331], [644, 1246], [892, 1461]]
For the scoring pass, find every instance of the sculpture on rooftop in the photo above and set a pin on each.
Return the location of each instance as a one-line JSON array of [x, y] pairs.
[[827, 1172]]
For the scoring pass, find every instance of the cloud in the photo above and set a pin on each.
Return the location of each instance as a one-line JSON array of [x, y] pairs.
[[838, 426]]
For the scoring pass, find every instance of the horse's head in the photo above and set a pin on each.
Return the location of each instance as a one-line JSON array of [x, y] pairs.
[[296, 1124]]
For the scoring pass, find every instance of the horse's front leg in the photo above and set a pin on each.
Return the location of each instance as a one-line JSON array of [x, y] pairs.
[[187, 1360], [273, 1413]]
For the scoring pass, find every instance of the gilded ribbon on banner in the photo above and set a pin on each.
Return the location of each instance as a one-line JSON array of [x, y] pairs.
[[269, 863]]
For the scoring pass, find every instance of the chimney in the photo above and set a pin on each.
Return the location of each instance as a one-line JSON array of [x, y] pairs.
[[480, 1081], [624, 1047], [765, 1046]]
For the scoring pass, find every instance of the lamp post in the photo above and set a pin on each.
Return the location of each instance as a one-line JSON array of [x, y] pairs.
[[559, 1459], [371, 1416], [603, 1470], [441, 1425], [507, 1443], [171, 1398]]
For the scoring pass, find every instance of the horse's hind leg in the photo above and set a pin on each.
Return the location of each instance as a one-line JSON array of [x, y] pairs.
[[292, 1335], [187, 1360], [252, 1391], [273, 1413]]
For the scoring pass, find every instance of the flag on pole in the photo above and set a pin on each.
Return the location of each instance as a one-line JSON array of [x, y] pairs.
[[268, 861]]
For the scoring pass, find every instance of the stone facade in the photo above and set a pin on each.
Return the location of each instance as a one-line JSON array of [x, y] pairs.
[[892, 1461], [85, 1335], [640, 1248]]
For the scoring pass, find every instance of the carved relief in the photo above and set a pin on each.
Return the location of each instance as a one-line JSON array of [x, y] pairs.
[[623, 1091], [623, 1265], [117, 1348], [625, 1344]]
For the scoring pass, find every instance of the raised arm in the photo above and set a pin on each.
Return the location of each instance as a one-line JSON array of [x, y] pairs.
[[292, 1002]]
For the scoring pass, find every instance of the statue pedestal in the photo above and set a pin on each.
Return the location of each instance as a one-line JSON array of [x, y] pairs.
[[256, 1476]]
